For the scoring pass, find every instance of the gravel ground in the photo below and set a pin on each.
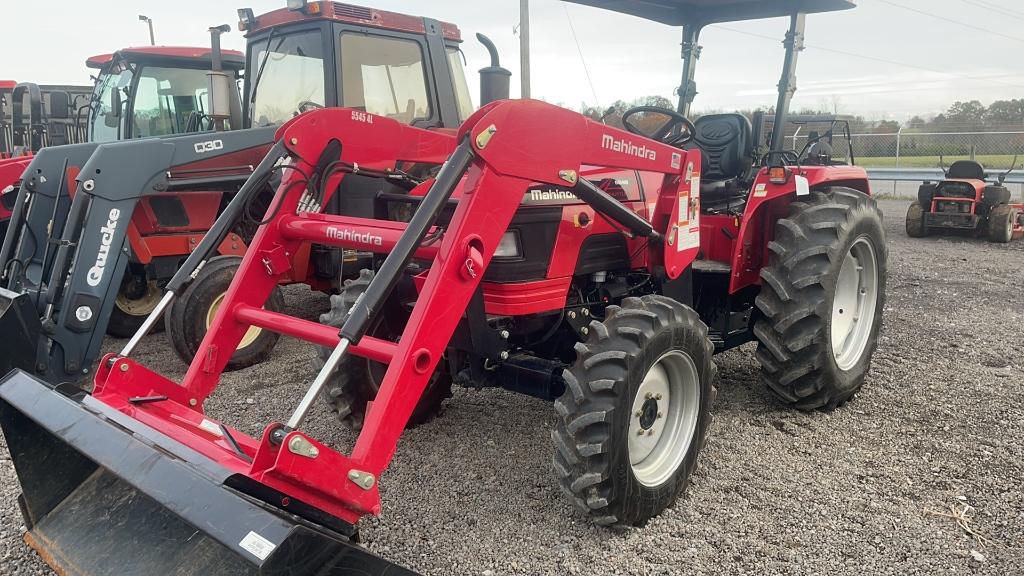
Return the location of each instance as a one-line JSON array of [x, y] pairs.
[[863, 490]]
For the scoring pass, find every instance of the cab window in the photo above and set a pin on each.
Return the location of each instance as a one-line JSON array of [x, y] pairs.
[[105, 121], [287, 79], [384, 76], [170, 101], [465, 100]]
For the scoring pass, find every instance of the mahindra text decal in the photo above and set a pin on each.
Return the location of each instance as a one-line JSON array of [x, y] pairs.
[[347, 235], [95, 275], [624, 146], [549, 195]]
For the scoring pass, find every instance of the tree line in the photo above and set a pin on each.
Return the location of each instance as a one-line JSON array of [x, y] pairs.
[[970, 116]]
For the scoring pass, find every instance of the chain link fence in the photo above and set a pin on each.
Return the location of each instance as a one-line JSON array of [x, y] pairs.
[[906, 149], [912, 149]]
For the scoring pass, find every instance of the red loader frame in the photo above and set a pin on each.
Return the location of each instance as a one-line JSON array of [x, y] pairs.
[[505, 149]]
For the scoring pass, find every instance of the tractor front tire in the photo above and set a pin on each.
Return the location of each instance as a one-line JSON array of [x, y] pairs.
[[635, 412], [822, 297], [1001, 221], [192, 314], [356, 380], [131, 308], [916, 228]]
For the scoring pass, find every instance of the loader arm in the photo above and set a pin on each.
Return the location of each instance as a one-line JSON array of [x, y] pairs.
[[72, 233]]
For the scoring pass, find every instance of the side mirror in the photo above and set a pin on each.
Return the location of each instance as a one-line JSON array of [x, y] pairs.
[[112, 119], [494, 80]]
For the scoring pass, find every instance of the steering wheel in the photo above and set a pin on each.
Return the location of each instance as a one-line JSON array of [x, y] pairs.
[[667, 133], [307, 105]]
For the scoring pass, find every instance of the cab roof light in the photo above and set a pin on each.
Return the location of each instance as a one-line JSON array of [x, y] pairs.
[[304, 6]]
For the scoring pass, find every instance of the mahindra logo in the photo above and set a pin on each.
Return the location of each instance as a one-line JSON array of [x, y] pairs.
[[623, 146], [209, 146], [549, 195], [348, 235], [95, 275]]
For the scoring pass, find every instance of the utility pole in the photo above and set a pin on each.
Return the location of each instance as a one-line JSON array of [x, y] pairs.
[[148, 20], [524, 45]]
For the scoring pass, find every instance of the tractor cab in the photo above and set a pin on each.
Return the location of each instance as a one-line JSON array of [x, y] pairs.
[[327, 54], [410, 69], [153, 91]]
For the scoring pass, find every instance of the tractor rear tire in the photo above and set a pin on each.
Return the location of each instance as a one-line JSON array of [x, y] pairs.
[[916, 228], [995, 196], [191, 314], [132, 307], [824, 282], [356, 380], [610, 458], [925, 195], [1000, 223]]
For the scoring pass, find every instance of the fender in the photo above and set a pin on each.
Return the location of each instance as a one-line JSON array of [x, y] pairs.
[[766, 203]]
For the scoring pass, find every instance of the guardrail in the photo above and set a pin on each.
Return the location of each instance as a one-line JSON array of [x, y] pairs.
[[930, 174]]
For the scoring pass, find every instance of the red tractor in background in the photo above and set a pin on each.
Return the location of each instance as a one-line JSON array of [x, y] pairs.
[[159, 90], [175, 186], [549, 254], [966, 201]]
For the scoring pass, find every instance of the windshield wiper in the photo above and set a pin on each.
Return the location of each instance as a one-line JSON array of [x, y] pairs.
[[259, 74]]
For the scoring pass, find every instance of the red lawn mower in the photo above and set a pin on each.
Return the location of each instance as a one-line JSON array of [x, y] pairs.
[[549, 254], [966, 201]]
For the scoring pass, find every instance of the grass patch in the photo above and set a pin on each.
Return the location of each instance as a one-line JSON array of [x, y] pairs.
[[989, 161]]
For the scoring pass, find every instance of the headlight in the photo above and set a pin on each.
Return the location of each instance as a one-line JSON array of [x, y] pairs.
[[509, 247]]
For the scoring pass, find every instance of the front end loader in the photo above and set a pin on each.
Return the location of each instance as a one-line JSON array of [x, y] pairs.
[[76, 230], [162, 470]]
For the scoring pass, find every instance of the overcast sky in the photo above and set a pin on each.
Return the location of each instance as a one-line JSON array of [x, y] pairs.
[[947, 55]]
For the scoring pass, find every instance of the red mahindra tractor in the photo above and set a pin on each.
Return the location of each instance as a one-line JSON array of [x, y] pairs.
[[966, 201], [549, 254]]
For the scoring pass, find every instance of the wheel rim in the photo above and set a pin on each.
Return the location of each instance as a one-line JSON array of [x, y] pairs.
[[853, 308], [250, 335], [139, 306], [664, 418]]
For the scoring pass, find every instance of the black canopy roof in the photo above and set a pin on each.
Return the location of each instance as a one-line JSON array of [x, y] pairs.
[[703, 12]]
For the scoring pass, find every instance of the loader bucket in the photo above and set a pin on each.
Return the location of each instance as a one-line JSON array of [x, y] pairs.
[[19, 324], [103, 494]]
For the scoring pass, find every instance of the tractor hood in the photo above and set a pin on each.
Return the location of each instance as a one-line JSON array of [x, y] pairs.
[[703, 12]]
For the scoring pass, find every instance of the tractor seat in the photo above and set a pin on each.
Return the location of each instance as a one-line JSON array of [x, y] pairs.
[[724, 141], [966, 170]]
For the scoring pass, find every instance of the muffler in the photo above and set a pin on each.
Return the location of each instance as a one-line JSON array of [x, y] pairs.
[[104, 495]]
